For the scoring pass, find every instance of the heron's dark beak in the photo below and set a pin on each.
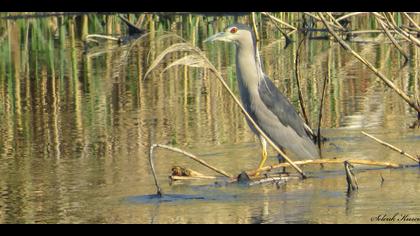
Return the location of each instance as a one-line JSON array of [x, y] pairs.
[[217, 37]]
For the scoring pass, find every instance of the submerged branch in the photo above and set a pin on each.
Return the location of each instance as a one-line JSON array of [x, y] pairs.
[[352, 184], [328, 161]]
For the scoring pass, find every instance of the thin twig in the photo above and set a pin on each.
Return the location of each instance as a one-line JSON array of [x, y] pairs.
[[411, 21], [318, 19], [324, 88], [286, 36], [349, 15], [279, 21], [335, 21], [400, 151], [297, 73], [370, 66], [382, 24], [193, 157], [401, 32], [152, 166]]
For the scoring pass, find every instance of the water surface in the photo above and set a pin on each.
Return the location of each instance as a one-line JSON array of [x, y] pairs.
[[77, 125]]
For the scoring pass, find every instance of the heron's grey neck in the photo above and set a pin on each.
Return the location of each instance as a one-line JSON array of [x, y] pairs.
[[248, 67]]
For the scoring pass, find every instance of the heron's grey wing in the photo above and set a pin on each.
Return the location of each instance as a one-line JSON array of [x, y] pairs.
[[285, 126], [277, 103]]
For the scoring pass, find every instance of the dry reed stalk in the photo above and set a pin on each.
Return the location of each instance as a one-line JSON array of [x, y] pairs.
[[400, 151], [318, 19], [279, 21], [286, 36], [369, 31], [254, 27], [388, 82], [382, 24], [349, 15], [389, 19], [324, 87], [298, 77], [411, 21], [334, 21]]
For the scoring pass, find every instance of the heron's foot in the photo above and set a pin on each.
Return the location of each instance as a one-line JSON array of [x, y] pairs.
[[262, 162]]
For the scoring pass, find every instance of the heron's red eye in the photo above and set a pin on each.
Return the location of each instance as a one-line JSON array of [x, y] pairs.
[[234, 30]]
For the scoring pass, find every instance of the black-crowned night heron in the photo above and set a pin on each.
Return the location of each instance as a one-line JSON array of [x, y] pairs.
[[269, 108]]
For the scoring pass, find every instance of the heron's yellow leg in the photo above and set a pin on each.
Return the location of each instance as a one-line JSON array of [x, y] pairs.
[[263, 156]]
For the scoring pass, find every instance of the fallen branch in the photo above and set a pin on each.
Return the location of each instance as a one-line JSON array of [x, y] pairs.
[[370, 66], [400, 151], [327, 161]]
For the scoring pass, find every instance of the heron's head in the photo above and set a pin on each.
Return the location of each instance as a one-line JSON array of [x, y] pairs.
[[239, 34]]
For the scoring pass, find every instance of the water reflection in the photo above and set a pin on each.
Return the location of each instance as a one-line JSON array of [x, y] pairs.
[[76, 125]]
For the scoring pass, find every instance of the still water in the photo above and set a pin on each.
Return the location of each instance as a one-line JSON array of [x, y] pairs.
[[77, 123]]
